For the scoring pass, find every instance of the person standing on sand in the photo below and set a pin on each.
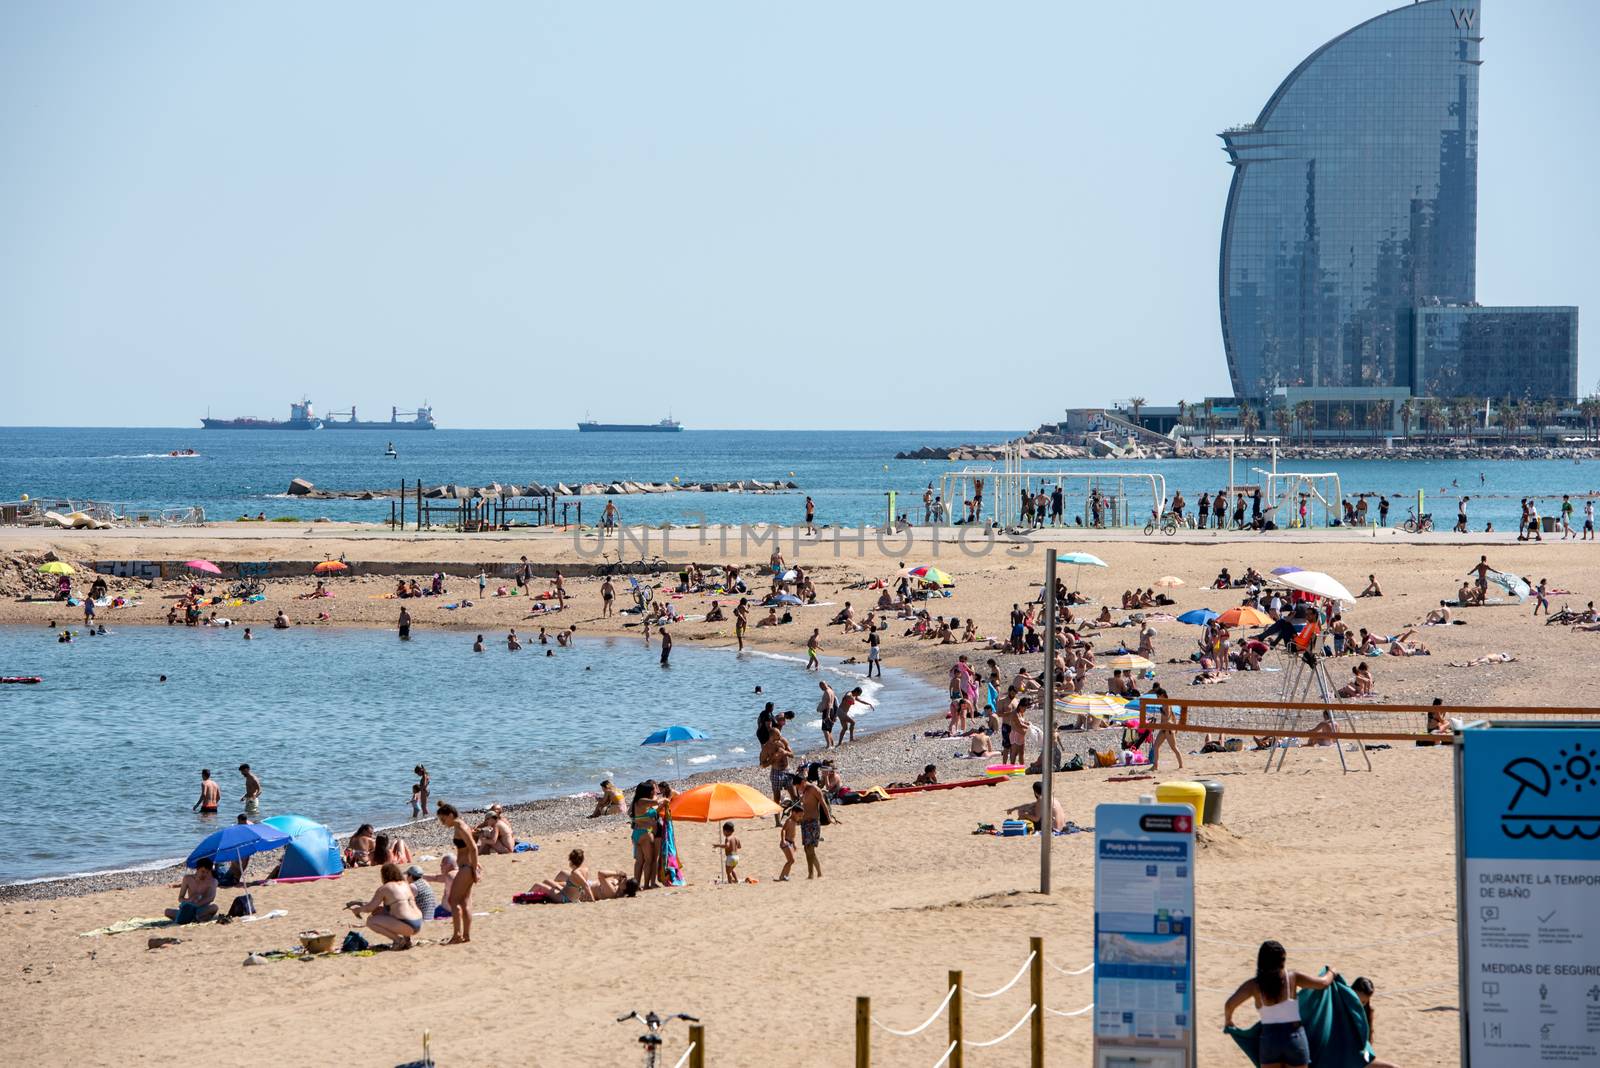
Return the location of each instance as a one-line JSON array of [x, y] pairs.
[[813, 806], [1482, 570], [874, 652], [405, 623], [608, 518], [252, 787], [775, 757], [608, 594], [210, 794], [524, 576], [787, 840], [1163, 715], [927, 515], [847, 722], [813, 647], [811, 516], [666, 646], [741, 621], [1566, 517], [1541, 597], [1273, 989], [468, 873], [1588, 520], [642, 815]]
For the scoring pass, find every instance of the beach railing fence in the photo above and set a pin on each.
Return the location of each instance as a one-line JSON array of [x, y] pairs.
[[952, 1009]]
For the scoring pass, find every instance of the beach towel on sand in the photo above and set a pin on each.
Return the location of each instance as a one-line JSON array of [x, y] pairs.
[[138, 923], [1336, 1028]]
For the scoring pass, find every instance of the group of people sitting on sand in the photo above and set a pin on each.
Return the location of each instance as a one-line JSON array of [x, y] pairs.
[[405, 589], [1132, 600], [366, 848]]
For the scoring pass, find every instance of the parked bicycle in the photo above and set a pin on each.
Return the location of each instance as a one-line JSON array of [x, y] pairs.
[[651, 1039], [1167, 524], [1417, 524]]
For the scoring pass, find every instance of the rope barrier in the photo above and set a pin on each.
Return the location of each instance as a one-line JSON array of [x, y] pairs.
[[1020, 973], [1086, 968], [683, 1060], [926, 1023], [1419, 936], [948, 1050], [1077, 1012], [1014, 1028]]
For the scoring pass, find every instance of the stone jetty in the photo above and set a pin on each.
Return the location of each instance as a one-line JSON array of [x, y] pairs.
[[461, 491]]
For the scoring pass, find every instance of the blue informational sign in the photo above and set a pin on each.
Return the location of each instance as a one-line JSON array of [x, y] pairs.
[[1528, 870], [1144, 930]]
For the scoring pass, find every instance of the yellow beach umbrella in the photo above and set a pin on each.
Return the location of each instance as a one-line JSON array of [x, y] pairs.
[[1100, 704], [1129, 662], [1170, 582], [58, 567]]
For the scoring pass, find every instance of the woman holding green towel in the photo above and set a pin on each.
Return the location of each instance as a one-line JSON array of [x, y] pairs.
[[1273, 989]]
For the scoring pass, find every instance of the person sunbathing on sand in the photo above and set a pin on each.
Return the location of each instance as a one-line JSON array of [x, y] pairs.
[[1058, 816], [575, 884], [197, 894], [392, 910], [1401, 645], [1488, 658], [494, 834], [610, 801]]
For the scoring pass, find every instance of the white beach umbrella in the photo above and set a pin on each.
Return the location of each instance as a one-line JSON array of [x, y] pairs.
[[1315, 582]]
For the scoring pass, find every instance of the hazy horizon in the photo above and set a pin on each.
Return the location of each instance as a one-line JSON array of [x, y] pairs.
[[755, 218]]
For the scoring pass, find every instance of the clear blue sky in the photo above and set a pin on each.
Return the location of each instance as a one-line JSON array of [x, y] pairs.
[[845, 215]]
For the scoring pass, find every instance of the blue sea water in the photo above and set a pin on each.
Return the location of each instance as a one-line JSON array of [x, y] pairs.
[[847, 473], [101, 761]]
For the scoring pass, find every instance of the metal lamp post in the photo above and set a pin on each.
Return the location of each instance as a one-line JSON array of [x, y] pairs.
[[1047, 758]]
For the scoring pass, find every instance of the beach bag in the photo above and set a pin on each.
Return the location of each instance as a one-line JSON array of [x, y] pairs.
[[1234, 745], [354, 943], [1073, 763], [243, 905]]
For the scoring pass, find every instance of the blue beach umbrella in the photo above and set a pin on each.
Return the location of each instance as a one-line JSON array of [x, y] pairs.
[[675, 736], [1198, 617], [237, 841]]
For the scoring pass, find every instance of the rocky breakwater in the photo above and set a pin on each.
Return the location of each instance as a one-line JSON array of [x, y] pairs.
[[466, 492], [1031, 450]]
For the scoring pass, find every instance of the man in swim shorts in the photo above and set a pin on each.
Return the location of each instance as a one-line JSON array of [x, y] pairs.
[[210, 794], [405, 624], [252, 787], [812, 805], [775, 756], [197, 894]]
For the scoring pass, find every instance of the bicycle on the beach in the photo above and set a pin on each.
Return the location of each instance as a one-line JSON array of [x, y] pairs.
[[651, 1039], [1167, 524], [1417, 524]]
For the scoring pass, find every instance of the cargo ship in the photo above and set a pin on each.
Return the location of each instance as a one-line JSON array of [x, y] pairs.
[[668, 425], [301, 417], [421, 419]]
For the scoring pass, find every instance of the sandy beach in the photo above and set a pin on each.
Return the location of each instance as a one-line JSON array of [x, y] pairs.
[[1350, 870]]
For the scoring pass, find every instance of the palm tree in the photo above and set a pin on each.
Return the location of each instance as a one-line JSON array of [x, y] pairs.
[[1432, 410], [1183, 412], [1525, 419], [1343, 418], [1136, 405], [1507, 417], [1407, 408], [1305, 413], [1249, 422], [1549, 416], [1380, 415], [1589, 408], [1282, 420]]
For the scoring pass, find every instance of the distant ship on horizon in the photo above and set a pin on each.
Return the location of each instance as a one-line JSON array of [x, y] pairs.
[[303, 416], [668, 425], [421, 419]]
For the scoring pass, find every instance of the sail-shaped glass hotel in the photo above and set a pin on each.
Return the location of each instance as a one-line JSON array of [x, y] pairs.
[[1353, 205]]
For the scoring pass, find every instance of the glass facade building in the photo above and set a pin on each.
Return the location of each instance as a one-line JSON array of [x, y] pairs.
[[1497, 352], [1353, 201]]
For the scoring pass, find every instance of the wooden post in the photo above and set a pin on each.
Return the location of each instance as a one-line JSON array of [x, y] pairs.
[[863, 1033], [957, 1060], [697, 1055], [1036, 996]]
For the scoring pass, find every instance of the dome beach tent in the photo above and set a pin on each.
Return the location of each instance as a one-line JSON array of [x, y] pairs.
[[311, 853]]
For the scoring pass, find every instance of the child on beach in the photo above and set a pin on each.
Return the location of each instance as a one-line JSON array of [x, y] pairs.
[[786, 841], [730, 854]]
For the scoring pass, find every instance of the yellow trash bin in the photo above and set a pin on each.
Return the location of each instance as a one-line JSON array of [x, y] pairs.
[[1188, 793]]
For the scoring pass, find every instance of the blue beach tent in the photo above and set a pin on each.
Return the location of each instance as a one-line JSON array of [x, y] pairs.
[[311, 853]]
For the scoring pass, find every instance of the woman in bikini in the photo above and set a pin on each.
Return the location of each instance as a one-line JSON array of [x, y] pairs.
[[1283, 1036], [643, 813], [392, 911], [468, 872]]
